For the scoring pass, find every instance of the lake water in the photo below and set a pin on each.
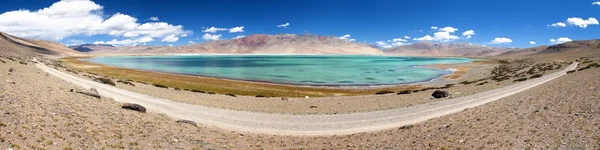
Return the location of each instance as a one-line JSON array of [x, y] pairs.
[[298, 70]]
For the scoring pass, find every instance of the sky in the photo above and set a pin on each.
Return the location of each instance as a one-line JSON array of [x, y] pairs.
[[386, 23]]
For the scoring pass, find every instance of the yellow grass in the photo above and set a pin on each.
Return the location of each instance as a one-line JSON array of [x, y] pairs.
[[222, 86]]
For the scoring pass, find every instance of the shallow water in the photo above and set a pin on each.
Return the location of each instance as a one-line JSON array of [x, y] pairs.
[[299, 70]]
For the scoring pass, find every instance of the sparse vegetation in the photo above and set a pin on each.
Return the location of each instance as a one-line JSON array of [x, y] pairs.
[[482, 83], [105, 81], [260, 96], [198, 91], [232, 95], [571, 71]]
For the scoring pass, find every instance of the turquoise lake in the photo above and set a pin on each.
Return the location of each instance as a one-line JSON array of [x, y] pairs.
[[298, 70]]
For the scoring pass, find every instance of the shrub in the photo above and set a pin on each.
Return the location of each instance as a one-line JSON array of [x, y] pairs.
[[383, 92], [198, 91], [536, 76], [105, 81], [232, 95], [160, 86], [125, 82], [404, 92], [260, 96], [482, 83], [571, 71], [211, 92], [520, 79], [428, 88], [177, 89]]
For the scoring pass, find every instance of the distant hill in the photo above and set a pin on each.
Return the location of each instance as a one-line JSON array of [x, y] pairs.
[[569, 49], [254, 44], [445, 49]]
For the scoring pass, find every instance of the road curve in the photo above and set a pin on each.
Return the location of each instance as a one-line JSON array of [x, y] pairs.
[[309, 125]]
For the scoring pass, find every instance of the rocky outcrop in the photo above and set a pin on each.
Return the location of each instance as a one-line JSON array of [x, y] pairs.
[[134, 107]]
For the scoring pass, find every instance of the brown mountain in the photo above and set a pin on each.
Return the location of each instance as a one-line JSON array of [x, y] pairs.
[[445, 49], [15, 46], [568, 49], [254, 44]]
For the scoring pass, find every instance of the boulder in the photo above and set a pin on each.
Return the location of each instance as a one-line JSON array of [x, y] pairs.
[[188, 122], [440, 94], [134, 107]]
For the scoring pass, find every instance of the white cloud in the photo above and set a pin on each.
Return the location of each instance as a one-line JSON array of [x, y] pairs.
[[68, 18], [501, 40], [532, 42], [407, 37], [285, 25], [434, 27], [153, 19], [448, 29], [170, 38], [347, 38], [170, 45], [398, 42], [439, 37], [214, 30], [211, 36], [560, 40], [596, 3], [236, 29], [239, 36], [558, 24], [145, 39], [581, 22], [468, 34], [191, 42], [383, 44]]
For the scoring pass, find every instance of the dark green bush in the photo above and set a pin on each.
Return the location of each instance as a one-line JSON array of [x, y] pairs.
[[198, 91], [384, 92], [404, 92], [105, 81], [160, 86], [536, 76], [520, 79]]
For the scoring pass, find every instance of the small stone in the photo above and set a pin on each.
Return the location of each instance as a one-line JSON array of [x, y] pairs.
[[313, 106], [134, 107], [188, 122], [284, 98], [11, 81], [11, 70], [306, 96]]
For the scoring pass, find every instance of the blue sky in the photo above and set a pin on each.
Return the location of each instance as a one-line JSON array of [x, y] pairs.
[[511, 23]]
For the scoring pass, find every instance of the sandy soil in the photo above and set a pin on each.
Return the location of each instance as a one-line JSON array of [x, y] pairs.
[[328, 105], [39, 112]]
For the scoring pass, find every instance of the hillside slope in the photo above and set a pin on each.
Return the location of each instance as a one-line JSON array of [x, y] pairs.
[[445, 49], [254, 44], [15, 46]]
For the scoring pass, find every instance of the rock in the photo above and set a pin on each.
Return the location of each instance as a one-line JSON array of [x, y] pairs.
[[11, 70], [11, 81], [23, 63], [440, 94], [284, 98], [134, 107], [306, 96], [92, 92], [188, 122], [313, 106]]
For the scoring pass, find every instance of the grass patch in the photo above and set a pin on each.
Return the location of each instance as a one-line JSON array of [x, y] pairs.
[[220, 85], [404, 92]]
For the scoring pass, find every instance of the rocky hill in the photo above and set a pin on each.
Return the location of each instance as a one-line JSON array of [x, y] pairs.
[[568, 49], [15, 46], [445, 49], [254, 44]]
